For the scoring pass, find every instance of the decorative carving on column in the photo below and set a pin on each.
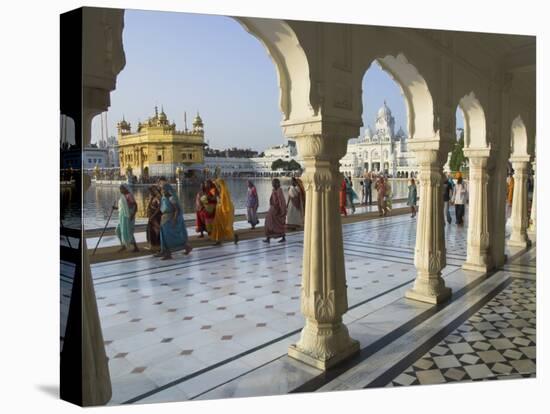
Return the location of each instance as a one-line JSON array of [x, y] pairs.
[[324, 340], [519, 218], [429, 257], [478, 255], [533, 219]]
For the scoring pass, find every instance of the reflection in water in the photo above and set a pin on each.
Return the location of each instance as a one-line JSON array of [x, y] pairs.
[[70, 206], [99, 199]]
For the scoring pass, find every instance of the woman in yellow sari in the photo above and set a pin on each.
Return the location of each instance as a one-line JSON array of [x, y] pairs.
[[222, 227]]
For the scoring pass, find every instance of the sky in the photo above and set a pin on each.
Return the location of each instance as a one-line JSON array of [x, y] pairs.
[[185, 62]]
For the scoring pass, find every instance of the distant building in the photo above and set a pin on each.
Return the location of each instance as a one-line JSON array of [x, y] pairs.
[[111, 145], [381, 151], [158, 148], [237, 162], [285, 152], [230, 152], [93, 156]]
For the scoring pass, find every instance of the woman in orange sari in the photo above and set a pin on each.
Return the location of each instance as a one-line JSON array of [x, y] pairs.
[[222, 227]]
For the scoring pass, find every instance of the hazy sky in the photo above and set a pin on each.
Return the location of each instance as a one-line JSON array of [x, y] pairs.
[[190, 62]]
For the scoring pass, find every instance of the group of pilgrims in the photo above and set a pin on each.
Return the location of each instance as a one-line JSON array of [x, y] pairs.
[[348, 196], [215, 213], [166, 230]]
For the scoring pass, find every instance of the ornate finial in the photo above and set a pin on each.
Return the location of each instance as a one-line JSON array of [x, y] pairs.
[[156, 111]]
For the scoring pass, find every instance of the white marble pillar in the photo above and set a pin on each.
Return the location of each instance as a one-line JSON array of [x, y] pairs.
[[519, 218], [324, 340], [497, 190], [96, 381], [533, 219], [478, 256], [429, 257]]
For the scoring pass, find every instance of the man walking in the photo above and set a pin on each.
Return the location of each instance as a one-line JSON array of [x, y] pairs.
[[367, 183], [448, 187], [460, 196], [381, 189]]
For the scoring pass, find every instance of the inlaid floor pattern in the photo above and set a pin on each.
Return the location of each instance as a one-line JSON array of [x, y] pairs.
[[498, 342]]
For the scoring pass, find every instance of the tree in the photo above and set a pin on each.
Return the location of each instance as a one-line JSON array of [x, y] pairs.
[[457, 154], [277, 164], [293, 166]]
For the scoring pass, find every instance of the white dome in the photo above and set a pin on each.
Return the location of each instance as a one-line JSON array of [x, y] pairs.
[[384, 111]]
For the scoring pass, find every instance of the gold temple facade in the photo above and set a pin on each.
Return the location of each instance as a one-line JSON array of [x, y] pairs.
[[157, 148]]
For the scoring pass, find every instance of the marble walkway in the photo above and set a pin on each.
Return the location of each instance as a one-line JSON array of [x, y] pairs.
[[218, 323]]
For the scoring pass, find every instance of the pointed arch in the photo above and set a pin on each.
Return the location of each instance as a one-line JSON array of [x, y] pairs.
[[418, 99], [292, 67], [519, 140], [475, 129]]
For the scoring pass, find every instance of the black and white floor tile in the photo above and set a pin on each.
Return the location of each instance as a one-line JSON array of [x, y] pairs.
[[498, 342]]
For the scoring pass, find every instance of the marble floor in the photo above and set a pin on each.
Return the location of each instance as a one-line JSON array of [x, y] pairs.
[[218, 323], [497, 342]]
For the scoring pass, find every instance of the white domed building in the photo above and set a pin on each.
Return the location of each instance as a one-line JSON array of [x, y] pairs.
[[383, 150]]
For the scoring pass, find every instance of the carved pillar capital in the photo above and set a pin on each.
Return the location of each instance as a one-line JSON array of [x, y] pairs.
[[319, 148]]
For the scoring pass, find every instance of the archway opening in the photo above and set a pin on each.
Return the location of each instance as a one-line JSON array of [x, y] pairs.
[[382, 145], [456, 160], [177, 70], [189, 83]]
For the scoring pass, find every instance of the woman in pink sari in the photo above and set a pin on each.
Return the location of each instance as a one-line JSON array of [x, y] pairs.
[[200, 222], [276, 216], [252, 205]]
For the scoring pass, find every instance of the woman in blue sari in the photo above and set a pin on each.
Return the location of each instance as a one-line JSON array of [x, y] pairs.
[[351, 195], [127, 209], [173, 234]]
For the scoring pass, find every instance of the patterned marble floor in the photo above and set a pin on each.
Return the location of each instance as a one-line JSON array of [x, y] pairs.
[[498, 342], [183, 329]]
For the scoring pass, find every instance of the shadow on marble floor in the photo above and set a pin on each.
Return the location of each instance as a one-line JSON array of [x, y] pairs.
[[49, 389]]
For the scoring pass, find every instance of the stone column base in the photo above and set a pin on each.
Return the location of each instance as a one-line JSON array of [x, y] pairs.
[[323, 346], [483, 268], [323, 364], [441, 296], [519, 243]]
